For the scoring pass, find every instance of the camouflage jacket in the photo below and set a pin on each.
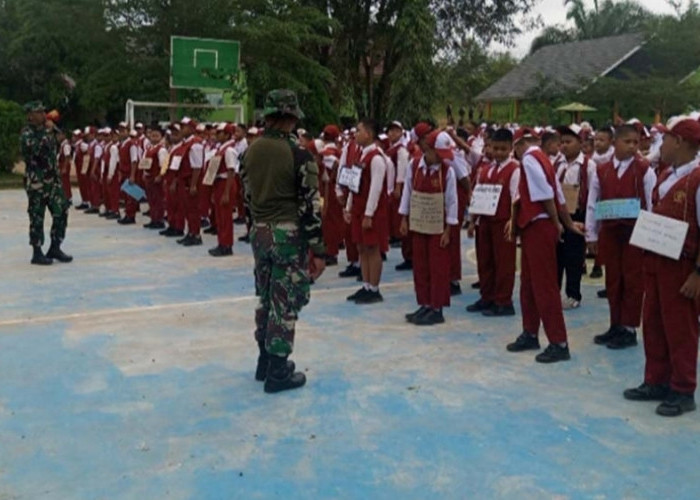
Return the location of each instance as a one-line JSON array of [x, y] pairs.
[[38, 147], [273, 205]]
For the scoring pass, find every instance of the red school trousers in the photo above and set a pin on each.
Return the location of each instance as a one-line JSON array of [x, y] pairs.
[[176, 207], [155, 194], [224, 213], [670, 325], [540, 301], [455, 246], [132, 205], [624, 276], [190, 206], [495, 263], [351, 251], [83, 184], [431, 277]]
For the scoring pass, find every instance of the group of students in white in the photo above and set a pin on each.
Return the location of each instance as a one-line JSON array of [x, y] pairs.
[[628, 194]]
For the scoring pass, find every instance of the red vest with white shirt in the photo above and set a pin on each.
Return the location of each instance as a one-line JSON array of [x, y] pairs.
[[679, 203], [185, 164], [222, 172], [502, 178], [529, 209], [630, 185], [359, 200], [152, 154], [582, 180]]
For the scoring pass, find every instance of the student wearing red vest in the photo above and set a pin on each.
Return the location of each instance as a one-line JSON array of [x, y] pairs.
[[350, 156], [224, 192], [94, 153], [573, 169], [156, 155], [81, 149], [368, 213], [536, 215], [399, 155], [432, 178], [174, 202], [496, 254], [188, 181], [333, 224], [672, 287], [626, 176], [111, 177]]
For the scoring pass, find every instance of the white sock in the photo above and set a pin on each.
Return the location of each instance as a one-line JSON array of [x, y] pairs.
[[355, 264], [630, 329], [366, 286], [373, 288]]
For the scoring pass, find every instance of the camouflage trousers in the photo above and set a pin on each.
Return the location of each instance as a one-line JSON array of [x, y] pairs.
[[48, 194], [281, 283]]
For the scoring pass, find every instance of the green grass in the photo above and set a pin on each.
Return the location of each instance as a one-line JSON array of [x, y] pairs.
[[10, 181]]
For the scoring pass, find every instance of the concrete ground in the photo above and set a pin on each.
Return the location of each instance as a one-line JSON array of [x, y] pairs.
[[129, 374]]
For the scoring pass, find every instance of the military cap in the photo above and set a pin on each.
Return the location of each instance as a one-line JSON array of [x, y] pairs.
[[283, 102], [34, 106]]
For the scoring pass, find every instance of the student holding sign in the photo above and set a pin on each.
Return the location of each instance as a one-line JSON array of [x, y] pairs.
[[626, 180], [174, 202], [672, 282], [428, 208], [492, 200], [367, 209], [221, 176], [574, 169], [537, 217]]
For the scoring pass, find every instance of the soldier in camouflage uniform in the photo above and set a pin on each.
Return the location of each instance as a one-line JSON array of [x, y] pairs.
[[281, 187], [42, 182]]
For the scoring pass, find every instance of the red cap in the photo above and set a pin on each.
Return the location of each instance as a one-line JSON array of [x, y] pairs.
[[53, 115], [422, 129], [331, 133], [441, 142], [524, 133], [688, 130]]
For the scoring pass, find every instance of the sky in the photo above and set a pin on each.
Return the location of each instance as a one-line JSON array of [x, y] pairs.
[[554, 12]]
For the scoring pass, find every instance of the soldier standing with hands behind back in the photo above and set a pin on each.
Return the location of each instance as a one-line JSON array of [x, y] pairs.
[[281, 188], [42, 183]]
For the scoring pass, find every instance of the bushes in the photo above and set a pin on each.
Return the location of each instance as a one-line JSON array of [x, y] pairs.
[[12, 118]]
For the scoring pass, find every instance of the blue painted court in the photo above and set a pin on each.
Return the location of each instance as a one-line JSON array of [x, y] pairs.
[[129, 375]]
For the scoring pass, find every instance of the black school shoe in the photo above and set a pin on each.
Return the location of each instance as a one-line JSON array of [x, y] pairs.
[[82, 206], [676, 404], [410, 317], [154, 225], [125, 221], [553, 353], [647, 392], [114, 216], [244, 239], [92, 210], [221, 251], [524, 342], [596, 273], [476, 285], [369, 297], [406, 265], [281, 376], [210, 230], [479, 306], [192, 241], [622, 340], [429, 318], [455, 289], [331, 261], [602, 294], [606, 337], [496, 311], [357, 294], [350, 271]]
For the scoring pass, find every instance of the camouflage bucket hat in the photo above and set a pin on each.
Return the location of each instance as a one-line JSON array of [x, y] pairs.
[[34, 106], [282, 101]]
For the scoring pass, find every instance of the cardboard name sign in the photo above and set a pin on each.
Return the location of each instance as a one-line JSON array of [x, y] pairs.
[[145, 163], [85, 166], [624, 208], [571, 193], [212, 170], [485, 198], [164, 165], [175, 162], [659, 234], [427, 213], [350, 178]]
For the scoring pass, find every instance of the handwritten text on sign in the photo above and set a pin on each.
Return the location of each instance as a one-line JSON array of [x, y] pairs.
[[350, 178], [212, 171], [485, 199], [625, 208], [659, 234], [427, 213]]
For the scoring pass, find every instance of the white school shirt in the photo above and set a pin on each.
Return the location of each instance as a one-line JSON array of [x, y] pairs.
[[402, 159], [113, 160], [514, 179], [451, 207], [572, 170], [592, 225], [537, 184], [599, 159], [196, 153], [378, 169], [677, 173]]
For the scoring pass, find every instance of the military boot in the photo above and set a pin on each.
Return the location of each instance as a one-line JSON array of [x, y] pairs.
[[264, 363], [55, 252], [39, 258], [281, 376]]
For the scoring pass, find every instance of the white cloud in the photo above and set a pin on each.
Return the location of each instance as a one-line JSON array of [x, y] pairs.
[[554, 12]]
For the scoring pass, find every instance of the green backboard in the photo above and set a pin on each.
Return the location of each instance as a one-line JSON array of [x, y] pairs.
[[203, 63]]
